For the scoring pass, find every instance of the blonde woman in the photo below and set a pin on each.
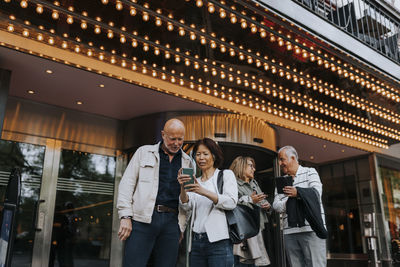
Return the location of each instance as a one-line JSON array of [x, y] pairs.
[[252, 252]]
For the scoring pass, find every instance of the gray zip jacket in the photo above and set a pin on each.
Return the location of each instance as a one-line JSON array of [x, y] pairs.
[[139, 185]]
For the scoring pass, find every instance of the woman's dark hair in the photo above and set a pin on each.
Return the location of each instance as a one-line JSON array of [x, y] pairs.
[[214, 148]]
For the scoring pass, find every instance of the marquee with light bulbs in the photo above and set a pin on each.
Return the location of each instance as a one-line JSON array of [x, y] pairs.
[[235, 55]]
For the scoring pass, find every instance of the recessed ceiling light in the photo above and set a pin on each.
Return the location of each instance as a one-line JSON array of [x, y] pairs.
[[79, 102], [324, 146], [101, 85], [49, 71], [311, 157], [342, 150], [31, 92]]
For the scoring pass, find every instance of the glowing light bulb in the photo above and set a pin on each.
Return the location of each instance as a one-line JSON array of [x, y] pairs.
[[55, 15], [84, 25], [70, 20], [132, 11], [145, 16], [24, 4], [119, 6], [39, 9]]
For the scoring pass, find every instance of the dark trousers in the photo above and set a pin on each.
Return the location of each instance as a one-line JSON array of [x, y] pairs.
[[206, 254], [160, 236]]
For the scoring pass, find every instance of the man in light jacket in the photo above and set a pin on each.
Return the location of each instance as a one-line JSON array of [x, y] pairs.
[[148, 200], [303, 247]]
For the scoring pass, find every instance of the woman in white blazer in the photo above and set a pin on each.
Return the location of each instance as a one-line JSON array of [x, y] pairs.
[[211, 246]]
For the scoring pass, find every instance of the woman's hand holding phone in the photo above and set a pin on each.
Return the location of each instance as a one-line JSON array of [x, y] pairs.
[[183, 178]]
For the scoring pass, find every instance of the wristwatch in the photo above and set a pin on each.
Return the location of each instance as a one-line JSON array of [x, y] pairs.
[[126, 217]]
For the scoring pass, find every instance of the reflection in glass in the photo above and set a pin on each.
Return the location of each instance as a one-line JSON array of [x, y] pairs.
[[29, 158], [342, 214], [83, 214], [390, 179]]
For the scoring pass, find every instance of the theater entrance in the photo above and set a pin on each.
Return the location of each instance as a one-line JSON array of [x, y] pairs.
[[67, 199]]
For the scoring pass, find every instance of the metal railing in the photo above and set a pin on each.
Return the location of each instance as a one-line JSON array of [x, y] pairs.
[[365, 20]]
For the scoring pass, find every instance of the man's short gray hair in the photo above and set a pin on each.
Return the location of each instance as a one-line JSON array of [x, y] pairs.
[[290, 152]]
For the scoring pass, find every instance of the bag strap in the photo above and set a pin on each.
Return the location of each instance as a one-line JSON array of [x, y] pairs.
[[220, 181]]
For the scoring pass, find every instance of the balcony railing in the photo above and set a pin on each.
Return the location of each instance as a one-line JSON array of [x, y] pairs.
[[365, 20]]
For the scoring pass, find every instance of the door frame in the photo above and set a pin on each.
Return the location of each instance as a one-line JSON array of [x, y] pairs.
[[47, 196]]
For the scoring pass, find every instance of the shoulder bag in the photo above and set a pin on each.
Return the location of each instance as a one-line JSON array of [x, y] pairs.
[[243, 221]]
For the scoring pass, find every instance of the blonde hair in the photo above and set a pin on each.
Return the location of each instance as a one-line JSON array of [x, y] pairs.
[[239, 164]]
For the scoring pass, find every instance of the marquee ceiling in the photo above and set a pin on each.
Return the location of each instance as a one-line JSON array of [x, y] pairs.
[[234, 55]]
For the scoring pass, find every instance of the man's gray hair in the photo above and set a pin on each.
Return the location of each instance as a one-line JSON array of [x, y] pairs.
[[289, 151]]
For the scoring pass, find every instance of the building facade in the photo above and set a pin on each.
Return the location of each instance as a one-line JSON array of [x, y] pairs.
[[84, 83]]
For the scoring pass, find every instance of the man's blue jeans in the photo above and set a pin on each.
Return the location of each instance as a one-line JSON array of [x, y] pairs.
[[160, 236], [206, 254]]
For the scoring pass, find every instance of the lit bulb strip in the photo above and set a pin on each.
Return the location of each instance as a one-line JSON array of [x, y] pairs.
[[110, 28], [322, 108], [300, 32], [319, 124], [395, 93], [244, 52], [352, 77]]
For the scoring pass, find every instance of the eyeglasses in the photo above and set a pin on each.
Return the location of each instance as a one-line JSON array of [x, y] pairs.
[[251, 165]]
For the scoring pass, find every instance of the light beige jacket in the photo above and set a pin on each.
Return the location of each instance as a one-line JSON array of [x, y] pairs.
[[139, 185]]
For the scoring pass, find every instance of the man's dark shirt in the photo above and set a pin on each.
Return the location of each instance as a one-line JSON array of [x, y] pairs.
[[168, 187]]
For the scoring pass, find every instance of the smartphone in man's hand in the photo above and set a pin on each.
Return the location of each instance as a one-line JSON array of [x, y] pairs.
[[190, 172]]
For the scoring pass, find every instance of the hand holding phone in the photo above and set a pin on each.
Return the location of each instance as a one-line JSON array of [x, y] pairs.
[[190, 172]]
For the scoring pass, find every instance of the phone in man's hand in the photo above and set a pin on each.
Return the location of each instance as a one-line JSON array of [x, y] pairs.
[[283, 181], [190, 172]]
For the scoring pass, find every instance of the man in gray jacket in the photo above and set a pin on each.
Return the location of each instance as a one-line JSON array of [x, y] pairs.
[[303, 247], [148, 200]]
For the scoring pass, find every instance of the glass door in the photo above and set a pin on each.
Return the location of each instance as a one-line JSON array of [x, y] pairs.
[[66, 213], [83, 212], [29, 159]]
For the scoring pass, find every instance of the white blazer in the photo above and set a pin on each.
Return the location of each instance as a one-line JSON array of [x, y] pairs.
[[216, 225]]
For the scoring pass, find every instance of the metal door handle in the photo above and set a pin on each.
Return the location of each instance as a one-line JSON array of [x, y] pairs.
[[39, 218]]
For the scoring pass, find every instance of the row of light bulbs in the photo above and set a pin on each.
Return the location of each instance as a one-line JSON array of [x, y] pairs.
[[274, 93], [260, 27], [311, 81], [276, 110], [236, 99], [349, 99], [341, 71], [213, 44], [76, 49]]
